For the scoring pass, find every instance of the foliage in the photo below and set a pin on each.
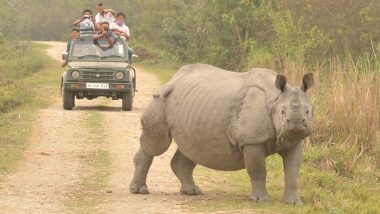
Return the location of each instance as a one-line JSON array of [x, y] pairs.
[[223, 33]]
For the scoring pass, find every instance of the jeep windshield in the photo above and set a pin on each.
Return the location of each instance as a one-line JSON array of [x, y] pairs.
[[86, 48]]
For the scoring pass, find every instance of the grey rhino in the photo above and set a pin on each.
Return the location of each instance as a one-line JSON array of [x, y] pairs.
[[226, 121]]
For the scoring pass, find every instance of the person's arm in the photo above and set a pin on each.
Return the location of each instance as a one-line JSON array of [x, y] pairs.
[[68, 46], [76, 22], [110, 39], [98, 36], [117, 30], [128, 35], [64, 63], [96, 25]]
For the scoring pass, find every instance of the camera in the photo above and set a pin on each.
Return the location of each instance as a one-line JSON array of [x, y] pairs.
[[87, 16]]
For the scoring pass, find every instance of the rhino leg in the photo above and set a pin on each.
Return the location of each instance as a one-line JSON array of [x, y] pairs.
[[142, 163], [292, 159], [254, 159], [183, 168], [155, 140]]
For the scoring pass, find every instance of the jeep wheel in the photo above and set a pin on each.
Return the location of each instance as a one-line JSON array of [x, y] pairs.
[[68, 100], [127, 101]]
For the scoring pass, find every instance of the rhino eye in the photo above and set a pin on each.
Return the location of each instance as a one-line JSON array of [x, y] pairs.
[[307, 111], [282, 112]]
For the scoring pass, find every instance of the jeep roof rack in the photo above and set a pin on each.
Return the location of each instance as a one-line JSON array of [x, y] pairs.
[[87, 32]]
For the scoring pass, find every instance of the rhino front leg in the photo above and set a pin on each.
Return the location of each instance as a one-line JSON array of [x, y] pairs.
[[254, 158], [142, 163], [292, 159], [183, 168]]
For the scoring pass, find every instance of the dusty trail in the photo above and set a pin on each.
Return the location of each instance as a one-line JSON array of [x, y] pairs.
[[53, 163]]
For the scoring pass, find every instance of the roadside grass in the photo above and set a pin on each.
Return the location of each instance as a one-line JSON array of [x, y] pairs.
[[91, 189], [22, 94], [341, 168]]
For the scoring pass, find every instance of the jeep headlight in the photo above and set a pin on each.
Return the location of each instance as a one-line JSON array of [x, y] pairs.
[[75, 74], [119, 75]]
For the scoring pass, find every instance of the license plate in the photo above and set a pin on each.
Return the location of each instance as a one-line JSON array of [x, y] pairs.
[[97, 85]]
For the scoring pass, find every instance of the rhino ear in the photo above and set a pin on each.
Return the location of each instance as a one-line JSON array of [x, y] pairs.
[[280, 82], [307, 81]]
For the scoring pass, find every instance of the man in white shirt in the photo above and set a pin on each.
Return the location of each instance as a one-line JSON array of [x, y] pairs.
[[120, 29], [104, 15]]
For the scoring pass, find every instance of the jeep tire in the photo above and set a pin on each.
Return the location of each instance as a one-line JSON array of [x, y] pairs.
[[68, 99], [127, 101]]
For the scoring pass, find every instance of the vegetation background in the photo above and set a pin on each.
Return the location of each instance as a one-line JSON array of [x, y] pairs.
[[339, 41]]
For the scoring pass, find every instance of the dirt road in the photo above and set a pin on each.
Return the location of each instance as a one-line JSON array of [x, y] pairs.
[[56, 166]]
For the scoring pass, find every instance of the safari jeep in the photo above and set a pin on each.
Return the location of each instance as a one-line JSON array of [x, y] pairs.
[[96, 69]]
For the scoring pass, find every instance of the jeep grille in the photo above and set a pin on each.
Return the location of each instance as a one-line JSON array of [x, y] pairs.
[[103, 75]]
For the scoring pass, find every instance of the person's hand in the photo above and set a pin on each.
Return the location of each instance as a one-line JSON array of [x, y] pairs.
[[116, 31], [105, 34], [92, 18]]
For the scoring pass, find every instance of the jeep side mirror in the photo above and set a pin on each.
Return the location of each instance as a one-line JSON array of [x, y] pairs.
[[64, 56]]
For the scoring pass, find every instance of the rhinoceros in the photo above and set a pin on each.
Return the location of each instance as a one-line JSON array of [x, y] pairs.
[[226, 121]]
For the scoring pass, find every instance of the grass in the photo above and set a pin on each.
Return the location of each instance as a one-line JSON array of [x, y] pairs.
[[341, 169], [163, 69], [90, 190], [321, 191], [22, 94]]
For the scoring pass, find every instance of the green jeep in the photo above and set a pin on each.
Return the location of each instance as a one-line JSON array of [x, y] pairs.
[[96, 69]]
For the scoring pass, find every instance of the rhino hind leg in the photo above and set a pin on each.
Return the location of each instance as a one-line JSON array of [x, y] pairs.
[[155, 140], [183, 168]]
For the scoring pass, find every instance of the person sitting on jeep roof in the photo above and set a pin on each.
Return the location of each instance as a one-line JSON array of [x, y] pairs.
[[86, 22], [120, 29], [105, 33], [74, 34], [104, 15]]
